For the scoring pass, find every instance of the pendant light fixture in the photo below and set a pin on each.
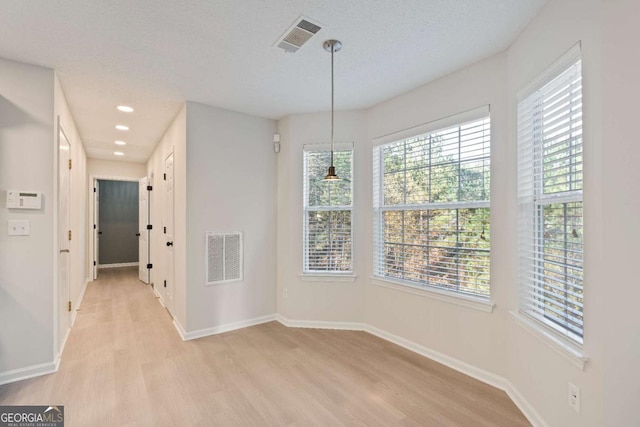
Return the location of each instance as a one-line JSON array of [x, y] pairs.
[[332, 46]]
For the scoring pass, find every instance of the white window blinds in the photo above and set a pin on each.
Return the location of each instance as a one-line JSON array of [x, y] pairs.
[[550, 200], [327, 212], [431, 208]]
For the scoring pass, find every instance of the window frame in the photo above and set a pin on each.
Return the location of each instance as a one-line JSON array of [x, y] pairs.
[[469, 299], [532, 200], [330, 275]]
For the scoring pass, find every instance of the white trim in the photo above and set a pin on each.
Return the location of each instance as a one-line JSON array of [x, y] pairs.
[[92, 204], [157, 294], [525, 407], [29, 372], [64, 342], [320, 324], [429, 127], [74, 314], [179, 328], [186, 336], [570, 57], [471, 204], [479, 374], [338, 146], [570, 352], [460, 366], [436, 294], [117, 265], [328, 277]]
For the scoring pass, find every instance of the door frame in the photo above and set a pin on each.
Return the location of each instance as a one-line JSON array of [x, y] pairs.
[[143, 230], [168, 294], [58, 340], [93, 233]]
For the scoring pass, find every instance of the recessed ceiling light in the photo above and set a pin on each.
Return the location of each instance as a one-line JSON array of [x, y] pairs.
[[121, 143], [125, 108], [118, 153], [122, 127]]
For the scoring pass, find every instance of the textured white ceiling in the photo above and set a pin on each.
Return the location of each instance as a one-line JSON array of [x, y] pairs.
[[155, 54]]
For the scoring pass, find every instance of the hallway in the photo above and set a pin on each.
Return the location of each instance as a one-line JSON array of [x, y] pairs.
[[125, 365]]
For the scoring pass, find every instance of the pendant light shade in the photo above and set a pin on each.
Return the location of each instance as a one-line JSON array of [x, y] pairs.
[[332, 46]]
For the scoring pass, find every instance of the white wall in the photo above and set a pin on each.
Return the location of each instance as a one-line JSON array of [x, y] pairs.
[[231, 186], [78, 200], [116, 169], [537, 373], [540, 374], [472, 336], [31, 101], [174, 140], [26, 263], [618, 280], [320, 300]]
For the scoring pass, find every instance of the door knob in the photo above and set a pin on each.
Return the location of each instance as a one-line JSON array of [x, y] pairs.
[[169, 243], [138, 234]]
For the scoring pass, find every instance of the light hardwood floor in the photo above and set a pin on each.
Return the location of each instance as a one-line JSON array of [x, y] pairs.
[[125, 365]]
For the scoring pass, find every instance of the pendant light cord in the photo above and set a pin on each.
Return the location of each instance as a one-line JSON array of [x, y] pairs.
[[332, 51]]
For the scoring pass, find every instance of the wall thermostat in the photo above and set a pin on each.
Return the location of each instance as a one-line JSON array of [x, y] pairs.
[[24, 200]]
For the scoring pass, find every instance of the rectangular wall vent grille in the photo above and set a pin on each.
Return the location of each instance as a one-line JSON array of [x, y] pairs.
[[224, 257]]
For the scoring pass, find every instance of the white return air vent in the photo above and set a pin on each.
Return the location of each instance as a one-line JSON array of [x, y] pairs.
[[224, 257], [299, 33]]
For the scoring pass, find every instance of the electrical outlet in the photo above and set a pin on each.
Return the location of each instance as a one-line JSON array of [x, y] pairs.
[[574, 397], [284, 294]]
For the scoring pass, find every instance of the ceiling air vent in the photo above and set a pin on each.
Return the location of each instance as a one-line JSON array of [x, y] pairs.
[[299, 33]]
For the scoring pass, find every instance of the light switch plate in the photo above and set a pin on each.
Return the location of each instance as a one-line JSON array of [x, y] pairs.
[[18, 227]]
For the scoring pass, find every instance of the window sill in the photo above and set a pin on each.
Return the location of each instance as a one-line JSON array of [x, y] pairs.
[[571, 352], [437, 294], [329, 277]]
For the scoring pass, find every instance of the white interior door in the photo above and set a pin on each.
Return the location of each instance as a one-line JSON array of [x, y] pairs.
[[143, 234], [169, 233], [96, 227], [64, 236]]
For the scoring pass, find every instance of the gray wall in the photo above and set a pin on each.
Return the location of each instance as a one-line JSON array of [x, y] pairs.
[[214, 136], [26, 262], [118, 222]]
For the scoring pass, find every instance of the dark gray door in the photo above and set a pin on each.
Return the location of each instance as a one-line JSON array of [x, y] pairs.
[[118, 226]]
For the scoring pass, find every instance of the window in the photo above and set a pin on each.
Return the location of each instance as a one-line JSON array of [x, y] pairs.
[[431, 208], [550, 199], [327, 210]]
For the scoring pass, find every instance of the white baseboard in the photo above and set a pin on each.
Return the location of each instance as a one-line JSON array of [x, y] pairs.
[[29, 372], [64, 342], [50, 367], [320, 324], [122, 264], [180, 329], [525, 407], [473, 371], [155, 291], [186, 336], [460, 366], [79, 302]]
